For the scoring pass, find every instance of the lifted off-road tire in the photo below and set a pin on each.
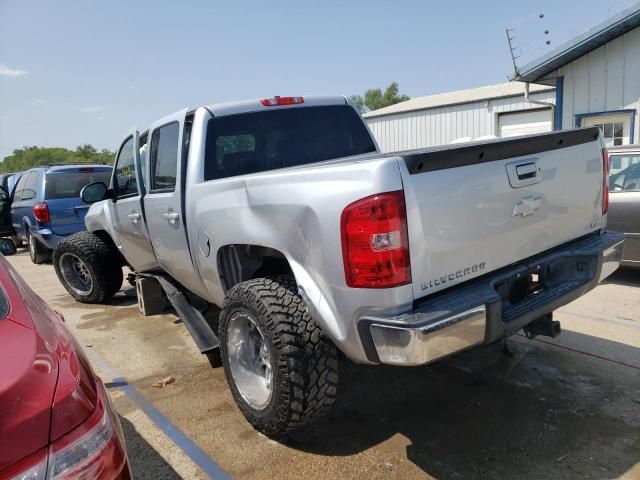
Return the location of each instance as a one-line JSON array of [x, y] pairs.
[[87, 268], [264, 321]]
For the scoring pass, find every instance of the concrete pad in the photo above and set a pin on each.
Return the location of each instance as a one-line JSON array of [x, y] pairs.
[[562, 408]]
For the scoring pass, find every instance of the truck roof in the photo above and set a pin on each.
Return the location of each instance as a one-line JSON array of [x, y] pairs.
[[230, 108]]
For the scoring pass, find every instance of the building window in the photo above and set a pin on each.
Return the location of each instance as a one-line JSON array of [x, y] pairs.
[[615, 126]]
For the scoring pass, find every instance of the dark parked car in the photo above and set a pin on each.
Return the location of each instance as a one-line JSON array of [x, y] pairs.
[[624, 199], [46, 205], [56, 419]]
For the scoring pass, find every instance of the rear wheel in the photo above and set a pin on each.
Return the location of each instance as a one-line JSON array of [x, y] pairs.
[[37, 252], [87, 268], [282, 370]]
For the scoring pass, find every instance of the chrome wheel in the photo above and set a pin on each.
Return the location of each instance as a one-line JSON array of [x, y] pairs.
[[76, 273], [249, 360]]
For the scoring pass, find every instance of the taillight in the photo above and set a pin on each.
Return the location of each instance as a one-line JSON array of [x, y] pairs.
[[605, 181], [41, 211], [95, 449], [375, 245], [271, 102], [34, 467]]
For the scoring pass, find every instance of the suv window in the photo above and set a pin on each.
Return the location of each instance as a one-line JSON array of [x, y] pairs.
[[68, 184], [20, 187], [125, 182], [272, 139], [164, 157], [625, 172], [29, 191]]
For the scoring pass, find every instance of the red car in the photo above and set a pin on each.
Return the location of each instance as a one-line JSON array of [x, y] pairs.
[[56, 419]]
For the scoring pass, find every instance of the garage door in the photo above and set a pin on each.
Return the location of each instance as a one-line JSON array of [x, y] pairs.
[[525, 122]]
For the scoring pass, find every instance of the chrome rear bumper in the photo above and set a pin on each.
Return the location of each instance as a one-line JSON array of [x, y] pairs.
[[475, 313]]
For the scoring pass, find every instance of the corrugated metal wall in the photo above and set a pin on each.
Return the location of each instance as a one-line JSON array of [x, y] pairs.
[[605, 79], [438, 126]]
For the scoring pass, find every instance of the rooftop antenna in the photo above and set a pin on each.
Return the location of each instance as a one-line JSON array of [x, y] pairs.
[[515, 50], [512, 50]]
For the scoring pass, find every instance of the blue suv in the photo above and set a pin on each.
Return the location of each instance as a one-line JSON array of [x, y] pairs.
[[46, 205]]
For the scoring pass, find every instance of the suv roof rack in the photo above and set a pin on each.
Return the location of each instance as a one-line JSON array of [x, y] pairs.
[[69, 164]]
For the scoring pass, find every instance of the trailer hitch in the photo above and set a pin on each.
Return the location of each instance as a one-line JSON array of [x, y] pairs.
[[544, 325]]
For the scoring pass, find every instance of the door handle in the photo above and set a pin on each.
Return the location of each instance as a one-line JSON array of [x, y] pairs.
[[134, 217], [172, 217], [523, 172]]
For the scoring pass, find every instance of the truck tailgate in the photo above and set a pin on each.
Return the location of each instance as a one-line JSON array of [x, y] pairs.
[[475, 208]]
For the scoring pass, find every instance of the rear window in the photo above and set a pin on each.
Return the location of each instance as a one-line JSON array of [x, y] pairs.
[[69, 184], [272, 139]]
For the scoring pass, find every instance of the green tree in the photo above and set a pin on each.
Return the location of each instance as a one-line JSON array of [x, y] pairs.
[[374, 98], [26, 157]]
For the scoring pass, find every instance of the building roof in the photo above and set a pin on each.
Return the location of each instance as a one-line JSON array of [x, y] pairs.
[[488, 92], [613, 27]]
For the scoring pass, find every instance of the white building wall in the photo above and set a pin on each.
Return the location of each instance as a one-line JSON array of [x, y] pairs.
[[438, 126], [604, 80]]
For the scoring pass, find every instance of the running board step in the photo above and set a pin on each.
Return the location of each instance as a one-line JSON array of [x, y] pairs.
[[202, 334]]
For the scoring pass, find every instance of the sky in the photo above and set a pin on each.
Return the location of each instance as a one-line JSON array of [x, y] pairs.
[[88, 71]]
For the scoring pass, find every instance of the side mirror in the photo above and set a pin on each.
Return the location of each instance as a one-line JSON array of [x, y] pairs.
[[7, 247], [4, 195], [94, 192]]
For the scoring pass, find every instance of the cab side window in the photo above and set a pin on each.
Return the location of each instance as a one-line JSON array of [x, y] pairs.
[[125, 182], [164, 157], [143, 159]]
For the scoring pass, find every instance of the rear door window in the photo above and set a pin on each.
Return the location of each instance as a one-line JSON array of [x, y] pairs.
[[29, 191], [20, 187], [271, 139], [68, 184], [164, 157]]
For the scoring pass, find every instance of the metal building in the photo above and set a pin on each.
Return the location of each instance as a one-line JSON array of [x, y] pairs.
[[492, 110], [597, 78]]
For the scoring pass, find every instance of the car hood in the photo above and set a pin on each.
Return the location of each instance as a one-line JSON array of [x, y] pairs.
[[46, 386]]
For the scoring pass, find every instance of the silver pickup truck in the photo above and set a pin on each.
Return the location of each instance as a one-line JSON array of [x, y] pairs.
[[283, 213]]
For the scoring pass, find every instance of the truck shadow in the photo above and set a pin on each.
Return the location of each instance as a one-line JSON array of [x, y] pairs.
[[145, 461], [538, 412], [624, 276]]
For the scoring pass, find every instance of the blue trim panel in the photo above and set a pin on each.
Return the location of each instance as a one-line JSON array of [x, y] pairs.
[[632, 115], [557, 116]]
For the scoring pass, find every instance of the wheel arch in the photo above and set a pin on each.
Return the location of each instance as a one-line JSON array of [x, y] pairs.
[[241, 262], [106, 238]]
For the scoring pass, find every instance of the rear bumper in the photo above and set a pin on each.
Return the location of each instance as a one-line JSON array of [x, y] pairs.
[[631, 255], [46, 237], [480, 311]]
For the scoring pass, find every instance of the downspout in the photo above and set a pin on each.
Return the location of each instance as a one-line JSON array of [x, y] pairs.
[[538, 102]]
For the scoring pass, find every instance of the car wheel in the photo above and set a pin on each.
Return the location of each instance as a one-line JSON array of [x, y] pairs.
[[87, 268], [282, 370], [37, 252]]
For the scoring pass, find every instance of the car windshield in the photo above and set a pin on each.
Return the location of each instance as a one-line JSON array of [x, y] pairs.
[[271, 139], [69, 184], [624, 172]]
